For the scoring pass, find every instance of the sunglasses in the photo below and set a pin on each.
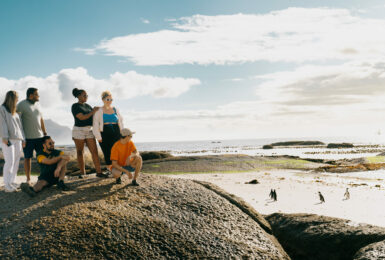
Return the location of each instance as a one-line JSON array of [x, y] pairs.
[[109, 99]]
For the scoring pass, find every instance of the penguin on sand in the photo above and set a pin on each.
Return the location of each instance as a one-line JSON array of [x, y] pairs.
[[347, 194], [271, 194], [321, 197]]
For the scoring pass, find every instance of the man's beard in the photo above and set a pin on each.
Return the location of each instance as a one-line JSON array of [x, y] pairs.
[[51, 149]]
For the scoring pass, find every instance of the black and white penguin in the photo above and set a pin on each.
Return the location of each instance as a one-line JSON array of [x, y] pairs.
[[321, 197]]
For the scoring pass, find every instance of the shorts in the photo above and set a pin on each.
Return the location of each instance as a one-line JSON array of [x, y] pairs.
[[32, 144], [49, 177], [129, 168], [82, 132]]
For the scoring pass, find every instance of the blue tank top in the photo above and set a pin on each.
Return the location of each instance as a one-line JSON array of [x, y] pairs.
[[110, 118]]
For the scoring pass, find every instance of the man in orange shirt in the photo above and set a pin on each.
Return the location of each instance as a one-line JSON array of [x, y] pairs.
[[125, 158]]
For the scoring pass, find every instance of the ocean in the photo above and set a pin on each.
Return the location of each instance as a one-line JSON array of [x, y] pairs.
[[364, 147]]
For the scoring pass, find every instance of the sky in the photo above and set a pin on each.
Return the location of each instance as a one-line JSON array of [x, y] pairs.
[[203, 70]]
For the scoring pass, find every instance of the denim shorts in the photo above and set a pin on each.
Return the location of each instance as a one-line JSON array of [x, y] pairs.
[[129, 168], [81, 133], [32, 144]]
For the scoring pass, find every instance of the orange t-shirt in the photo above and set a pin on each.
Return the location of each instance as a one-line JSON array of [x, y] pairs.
[[120, 152]]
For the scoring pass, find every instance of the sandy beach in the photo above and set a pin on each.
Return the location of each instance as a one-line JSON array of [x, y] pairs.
[[297, 192]]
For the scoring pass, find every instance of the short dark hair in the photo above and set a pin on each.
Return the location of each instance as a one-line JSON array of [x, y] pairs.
[[30, 91], [45, 138]]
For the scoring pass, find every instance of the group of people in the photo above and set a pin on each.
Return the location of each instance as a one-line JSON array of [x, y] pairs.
[[22, 127]]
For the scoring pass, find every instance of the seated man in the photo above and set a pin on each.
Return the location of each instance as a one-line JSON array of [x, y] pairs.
[[125, 158], [52, 168]]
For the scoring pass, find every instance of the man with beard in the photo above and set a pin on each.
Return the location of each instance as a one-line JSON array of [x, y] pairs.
[[52, 168], [33, 126]]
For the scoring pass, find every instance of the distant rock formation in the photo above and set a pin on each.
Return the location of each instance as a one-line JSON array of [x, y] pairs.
[[154, 155], [340, 145], [309, 236], [59, 133], [293, 143]]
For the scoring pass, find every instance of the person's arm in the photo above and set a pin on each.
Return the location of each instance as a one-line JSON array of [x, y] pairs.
[[4, 126], [21, 130], [82, 116], [133, 154], [120, 118], [96, 126], [44, 160], [115, 165], [43, 126]]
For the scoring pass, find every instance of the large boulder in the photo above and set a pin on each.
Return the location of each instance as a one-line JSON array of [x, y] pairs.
[[309, 236], [163, 218], [372, 251]]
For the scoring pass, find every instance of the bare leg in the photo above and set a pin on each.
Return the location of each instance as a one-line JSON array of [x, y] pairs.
[[137, 164], [61, 166], [63, 171], [91, 144], [79, 143], [27, 168], [40, 185]]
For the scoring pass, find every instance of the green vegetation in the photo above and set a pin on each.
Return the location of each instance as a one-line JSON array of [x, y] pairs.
[[376, 159], [288, 163]]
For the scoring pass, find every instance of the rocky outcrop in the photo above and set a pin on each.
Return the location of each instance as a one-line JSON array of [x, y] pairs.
[[154, 155], [309, 236], [297, 143], [372, 251], [267, 146], [340, 145], [163, 218]]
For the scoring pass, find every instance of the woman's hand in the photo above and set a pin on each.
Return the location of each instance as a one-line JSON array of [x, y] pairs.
[[100, 140], [5, 142], [23, 144]]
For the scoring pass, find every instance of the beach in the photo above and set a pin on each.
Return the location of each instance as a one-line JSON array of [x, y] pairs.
[[297, 192]]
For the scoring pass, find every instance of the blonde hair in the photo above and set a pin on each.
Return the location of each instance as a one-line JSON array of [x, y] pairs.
[[10, 101], [105, 94]]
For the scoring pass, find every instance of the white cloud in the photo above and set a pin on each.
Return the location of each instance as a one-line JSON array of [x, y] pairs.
[[290, 35], [145, 21], [56, 90]]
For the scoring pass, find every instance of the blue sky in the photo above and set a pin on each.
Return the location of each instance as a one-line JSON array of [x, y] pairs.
[[194, 70]]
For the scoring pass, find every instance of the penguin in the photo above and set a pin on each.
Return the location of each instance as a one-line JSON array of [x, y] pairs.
[[321, 198], [347, 194], [274, 195], [271, 194]]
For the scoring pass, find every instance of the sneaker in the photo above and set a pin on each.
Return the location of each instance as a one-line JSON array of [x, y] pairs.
[[119, 180], [9, 189], [101, 175], [134, 183], [28, 189], [62, 186], [15, 185]]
